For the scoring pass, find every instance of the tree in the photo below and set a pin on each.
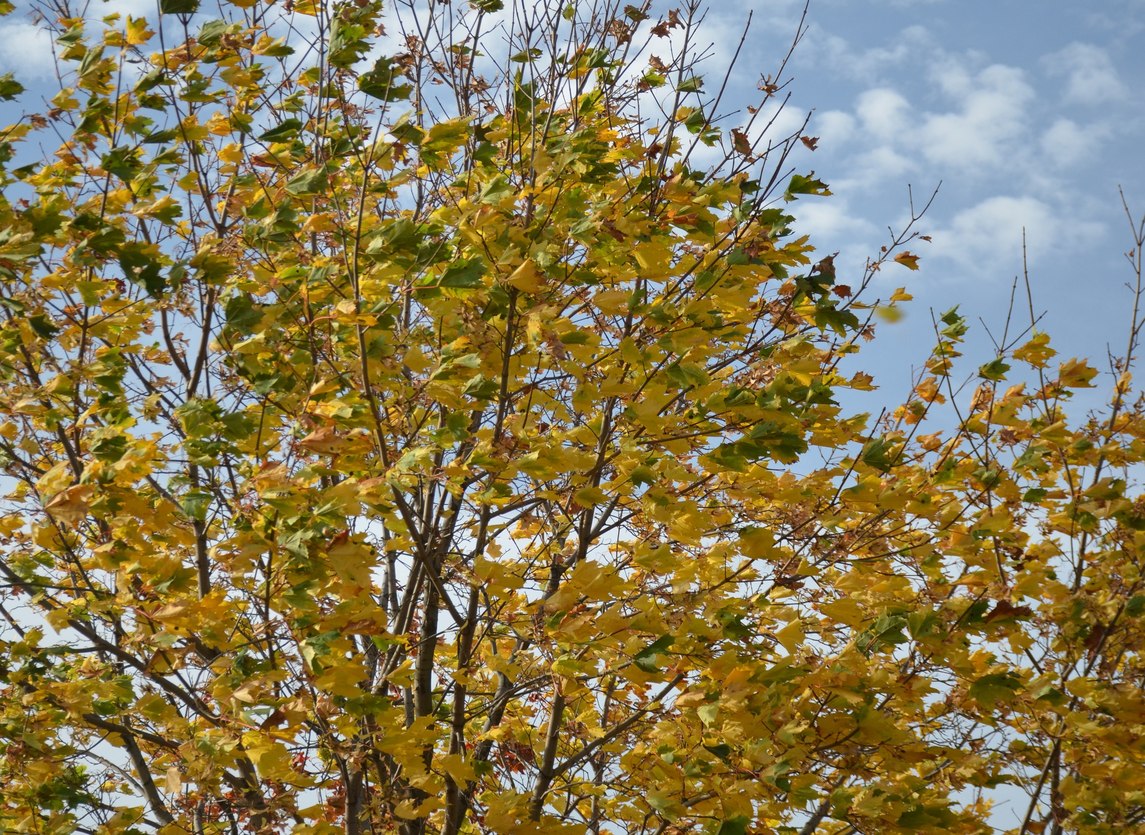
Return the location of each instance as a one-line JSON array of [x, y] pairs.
[[426, 419]]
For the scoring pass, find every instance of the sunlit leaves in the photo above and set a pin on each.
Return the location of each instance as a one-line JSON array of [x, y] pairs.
[[495, 464]]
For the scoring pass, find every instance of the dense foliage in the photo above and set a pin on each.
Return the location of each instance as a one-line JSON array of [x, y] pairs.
[[426, 418]]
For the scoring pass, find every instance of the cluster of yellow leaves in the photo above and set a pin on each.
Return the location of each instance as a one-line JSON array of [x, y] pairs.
[[487, 473]]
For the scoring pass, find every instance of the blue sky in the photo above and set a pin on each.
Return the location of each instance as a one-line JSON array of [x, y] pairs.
[[1029, 114], [1031, 117]]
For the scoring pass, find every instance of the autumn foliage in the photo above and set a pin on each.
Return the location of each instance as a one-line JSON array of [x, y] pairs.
[[426, 418]]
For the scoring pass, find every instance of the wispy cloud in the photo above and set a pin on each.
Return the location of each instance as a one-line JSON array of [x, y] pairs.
[[1088, 74], [1066, 143], [26, 50], [990, 113], [870, 63], [979, 235], [885, 114]]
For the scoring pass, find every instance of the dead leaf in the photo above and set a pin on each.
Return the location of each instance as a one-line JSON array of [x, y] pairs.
[[741, 143], [72, 504]]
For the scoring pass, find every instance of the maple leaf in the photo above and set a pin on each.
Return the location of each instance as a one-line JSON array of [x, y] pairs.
[[393, 472], [907, 259], [72, 504]]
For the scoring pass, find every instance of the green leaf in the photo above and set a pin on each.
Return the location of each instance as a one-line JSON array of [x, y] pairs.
[[44, 327], [139, 266], [242, 314], [805, 185], [123, 162], [994, 370], [993, 688], [178, 6], [196, 504], [160, 137], [955, 324], [734, 826], [642, 476], [348, 43], [307, 183], [287, 129], [382, 82], [464, 275], [9, 87], [443, 140], [691, 84], [722, 750], [109, 448], [708, 713], [212, 31], [647, 659], [879, 453]]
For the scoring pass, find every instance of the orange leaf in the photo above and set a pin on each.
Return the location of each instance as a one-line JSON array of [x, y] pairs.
[[908, 260]]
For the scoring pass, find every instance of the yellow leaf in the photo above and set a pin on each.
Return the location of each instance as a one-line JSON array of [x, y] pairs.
[[219, 124], [456, 767], [791, 636], [889, 313], [843, 610], [416, 360], [1076, 374], [344, 679], [164, 204], [137, 31], [272, 759], [55, 480], [590, 496], [907, 259], [231, 152], [1037, 351], [611, 301], [527, 277], [653, 258], [352, 559], [72, 504], [319, 222], [326, 440]]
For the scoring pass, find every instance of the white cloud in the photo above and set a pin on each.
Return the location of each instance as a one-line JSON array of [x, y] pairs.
[[870, 64], [135, 8], [991, 114], [988, 116], [1067, 143], [878, 164], [1088, 72], [988, 236], [884, 113], [832, 222], [26, 50], [833, 127], [775, 122]]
